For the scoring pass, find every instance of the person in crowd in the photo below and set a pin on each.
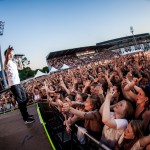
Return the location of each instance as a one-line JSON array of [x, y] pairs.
[[11, 69], [139, 96], [93, 123], [132, 138], [79, 98], [115, 122], [36, 94], [115, 88]]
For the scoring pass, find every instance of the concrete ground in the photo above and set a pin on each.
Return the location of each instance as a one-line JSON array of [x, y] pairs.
[[15, 135]]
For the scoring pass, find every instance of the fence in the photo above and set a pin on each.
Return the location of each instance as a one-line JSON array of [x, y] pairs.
[[63, 141]]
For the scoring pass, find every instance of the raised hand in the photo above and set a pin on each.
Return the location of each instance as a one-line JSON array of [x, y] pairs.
[[61, 82], [110, 93], [137, 80], [140, 67], [75, 81], [106, 73], [96, 80], [129, 75], [59, 102], [87, 83]]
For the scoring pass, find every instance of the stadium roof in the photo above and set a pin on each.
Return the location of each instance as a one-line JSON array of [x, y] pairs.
[[123, 39], [75, 50]]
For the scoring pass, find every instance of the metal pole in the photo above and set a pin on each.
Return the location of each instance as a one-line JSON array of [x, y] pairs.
[[131, 29], [1, 62], [2, 69], [94, 140], [135, 41]]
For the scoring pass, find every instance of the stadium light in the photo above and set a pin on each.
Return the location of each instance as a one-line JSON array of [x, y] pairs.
[[1, 62], [132, 31]]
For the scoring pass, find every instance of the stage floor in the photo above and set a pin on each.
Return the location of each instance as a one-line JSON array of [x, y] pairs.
[[15, 135]]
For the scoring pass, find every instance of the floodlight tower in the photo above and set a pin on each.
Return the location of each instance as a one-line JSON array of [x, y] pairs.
[[132, 31], [1, 62]]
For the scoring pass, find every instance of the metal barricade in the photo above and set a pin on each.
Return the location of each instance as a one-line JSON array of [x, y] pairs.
[[63, 140]]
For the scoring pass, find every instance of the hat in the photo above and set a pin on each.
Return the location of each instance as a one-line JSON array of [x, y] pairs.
[[8, 50]]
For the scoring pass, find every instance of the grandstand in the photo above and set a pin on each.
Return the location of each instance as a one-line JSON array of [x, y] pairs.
[[74, 55], [82, 55], [128, 44], [75, 51]]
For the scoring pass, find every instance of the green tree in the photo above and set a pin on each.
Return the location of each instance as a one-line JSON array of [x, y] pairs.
[[25, 61], [45, 69], [26, 73]]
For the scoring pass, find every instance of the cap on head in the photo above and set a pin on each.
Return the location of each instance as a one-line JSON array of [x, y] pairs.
[[10, 48]]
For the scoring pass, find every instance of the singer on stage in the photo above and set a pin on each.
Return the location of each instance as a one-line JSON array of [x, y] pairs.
[[11, 67]]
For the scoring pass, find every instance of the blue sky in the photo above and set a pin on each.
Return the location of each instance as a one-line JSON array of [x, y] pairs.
[[37, 27]]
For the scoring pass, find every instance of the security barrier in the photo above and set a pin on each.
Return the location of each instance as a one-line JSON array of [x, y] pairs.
[[61, 139]]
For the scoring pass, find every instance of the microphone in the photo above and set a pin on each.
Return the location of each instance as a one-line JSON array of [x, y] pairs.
[[17, 58], [19, 55]]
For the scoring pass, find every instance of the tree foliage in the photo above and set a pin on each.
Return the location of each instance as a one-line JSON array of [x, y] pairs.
[[27, 72], [25, 61], [45, 69]]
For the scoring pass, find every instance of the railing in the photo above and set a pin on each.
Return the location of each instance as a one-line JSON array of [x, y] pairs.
[[54, 123], [94, 140]]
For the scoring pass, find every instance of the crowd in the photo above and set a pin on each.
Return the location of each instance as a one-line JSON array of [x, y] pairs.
[[74, 61], [109, 98]]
